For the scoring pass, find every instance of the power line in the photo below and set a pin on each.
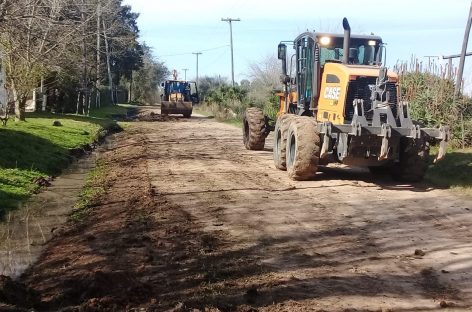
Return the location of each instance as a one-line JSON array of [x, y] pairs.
[[190, 53], [216, 59]]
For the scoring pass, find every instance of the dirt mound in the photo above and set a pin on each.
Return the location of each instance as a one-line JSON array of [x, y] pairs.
[[15, 295], [98, 290], [152, 116]]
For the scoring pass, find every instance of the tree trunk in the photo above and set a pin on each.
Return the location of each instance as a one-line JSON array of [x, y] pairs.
[[89, 103], [110, 78], [78, 103], [130, 94], [20, 103], [84, 63], [97, 81]]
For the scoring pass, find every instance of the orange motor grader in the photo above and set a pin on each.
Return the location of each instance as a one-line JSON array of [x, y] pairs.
[[341, 104]]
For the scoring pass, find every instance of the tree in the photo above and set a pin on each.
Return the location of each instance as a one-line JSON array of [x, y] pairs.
[[25, 42], [265, 79], [245, 83], [65, 38], [207, 83], [145, 81], [123, 52]]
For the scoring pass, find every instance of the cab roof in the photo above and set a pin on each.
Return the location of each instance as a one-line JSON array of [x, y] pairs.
[[316, 35]]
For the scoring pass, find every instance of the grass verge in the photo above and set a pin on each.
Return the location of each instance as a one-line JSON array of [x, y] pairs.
[[36, 148], [93, 189], [454, 171]]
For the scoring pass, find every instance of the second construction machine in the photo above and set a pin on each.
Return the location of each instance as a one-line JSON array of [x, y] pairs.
[[341, 104], [179, 96]]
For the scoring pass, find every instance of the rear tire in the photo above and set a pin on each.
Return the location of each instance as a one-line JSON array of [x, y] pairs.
[[303, 148], [280, 141], [187, 115], [254, 129], [413, 162]]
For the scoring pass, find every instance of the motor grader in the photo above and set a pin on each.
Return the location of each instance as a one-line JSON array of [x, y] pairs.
[[178, 97], [341, 104]]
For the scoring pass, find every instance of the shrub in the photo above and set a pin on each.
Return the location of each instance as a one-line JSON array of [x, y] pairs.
[[430, 94]]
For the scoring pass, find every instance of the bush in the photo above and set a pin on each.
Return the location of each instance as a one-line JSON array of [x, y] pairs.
[[430, 95], [226, 102]]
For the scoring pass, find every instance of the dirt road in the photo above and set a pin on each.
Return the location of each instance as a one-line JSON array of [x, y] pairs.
[[191, 219]]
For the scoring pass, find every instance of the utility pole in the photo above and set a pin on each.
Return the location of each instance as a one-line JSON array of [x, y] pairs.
[[197, 54], [460, 70], [185, 73], [230, 21]]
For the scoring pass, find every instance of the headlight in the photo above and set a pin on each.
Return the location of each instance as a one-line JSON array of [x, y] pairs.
[[325, 41]]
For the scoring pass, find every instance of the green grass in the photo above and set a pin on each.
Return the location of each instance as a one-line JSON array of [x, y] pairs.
[[36, 148], [454, 171], [109, 112], [15, 186], [93, 189]]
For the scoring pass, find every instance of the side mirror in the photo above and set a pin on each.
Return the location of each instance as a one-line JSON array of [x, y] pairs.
[[383, 74], [282, 54], [282, 51], [162, 84]]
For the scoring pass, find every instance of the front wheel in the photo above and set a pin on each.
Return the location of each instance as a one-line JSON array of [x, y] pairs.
[[280, 141], [303, 148], [254, 134]]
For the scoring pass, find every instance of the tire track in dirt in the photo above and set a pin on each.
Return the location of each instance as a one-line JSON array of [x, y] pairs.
[[344, 240], [189, 216]]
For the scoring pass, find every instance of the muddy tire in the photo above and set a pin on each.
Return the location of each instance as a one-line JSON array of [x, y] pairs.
[[413, 162], [187, 115], [303, 148], [254, 129], [280, 141]]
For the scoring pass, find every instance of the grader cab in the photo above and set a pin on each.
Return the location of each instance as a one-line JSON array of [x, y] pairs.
[[341, 104]]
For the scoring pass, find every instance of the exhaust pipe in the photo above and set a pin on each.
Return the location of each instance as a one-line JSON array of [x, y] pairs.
[[347, 38]]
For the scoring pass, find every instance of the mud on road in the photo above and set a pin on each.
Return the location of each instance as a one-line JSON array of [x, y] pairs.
[[192, 220]]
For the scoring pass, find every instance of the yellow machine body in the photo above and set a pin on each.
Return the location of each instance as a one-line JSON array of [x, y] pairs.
[[331, 105]]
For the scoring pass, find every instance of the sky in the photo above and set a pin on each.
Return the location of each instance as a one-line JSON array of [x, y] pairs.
[[175, 29]]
